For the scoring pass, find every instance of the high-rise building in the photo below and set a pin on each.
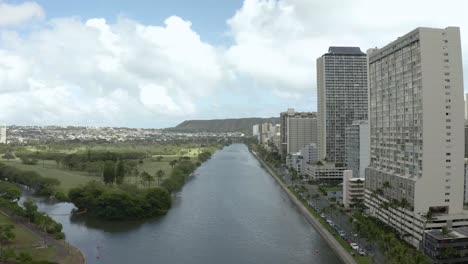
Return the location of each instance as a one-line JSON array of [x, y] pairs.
[[342, 98], [416, 132], [3, 134], [298, 129], [357, 147], [256, 130]]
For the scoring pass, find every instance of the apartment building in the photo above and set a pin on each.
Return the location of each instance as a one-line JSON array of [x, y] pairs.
[[298, 129], [416, 132], [357, 147], [353, 189], [342, 98]]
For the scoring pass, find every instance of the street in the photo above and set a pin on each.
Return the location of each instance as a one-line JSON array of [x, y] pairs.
[[338, 219]]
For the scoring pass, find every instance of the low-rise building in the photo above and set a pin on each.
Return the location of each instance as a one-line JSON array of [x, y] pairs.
[[300, 160], [450, 246], [353, 189], [324, 171], [294, 162]]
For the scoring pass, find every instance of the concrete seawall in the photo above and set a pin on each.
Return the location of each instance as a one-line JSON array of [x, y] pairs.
[[342, 253]]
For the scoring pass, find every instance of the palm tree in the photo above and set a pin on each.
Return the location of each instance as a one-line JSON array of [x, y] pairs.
[[404, 204], [160, 174], [146, 178], [173, 163]]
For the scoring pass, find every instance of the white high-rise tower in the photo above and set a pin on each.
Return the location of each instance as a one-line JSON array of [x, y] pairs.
[[416, 132]]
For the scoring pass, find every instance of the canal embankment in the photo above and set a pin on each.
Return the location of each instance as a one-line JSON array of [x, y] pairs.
[[344, 255]]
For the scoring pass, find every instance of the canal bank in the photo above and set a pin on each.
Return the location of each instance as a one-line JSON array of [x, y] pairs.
[[344, 255], [231, 211]]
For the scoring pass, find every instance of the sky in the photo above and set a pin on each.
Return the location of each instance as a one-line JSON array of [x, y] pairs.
[[153, 64]]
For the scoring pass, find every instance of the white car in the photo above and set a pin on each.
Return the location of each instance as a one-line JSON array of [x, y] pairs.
[[354, 246], [361, 252]]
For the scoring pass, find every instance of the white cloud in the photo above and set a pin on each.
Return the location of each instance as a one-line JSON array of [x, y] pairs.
[[14, 14], [69, 71], [277, 42], [74, 72]]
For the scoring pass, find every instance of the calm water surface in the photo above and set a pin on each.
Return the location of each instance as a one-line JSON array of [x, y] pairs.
[[232, 211]]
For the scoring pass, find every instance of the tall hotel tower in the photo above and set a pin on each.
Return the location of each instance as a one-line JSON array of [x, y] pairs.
[[415, 178], [342, 98]]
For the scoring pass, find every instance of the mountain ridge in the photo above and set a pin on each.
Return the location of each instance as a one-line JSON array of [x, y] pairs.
[[243, 125]]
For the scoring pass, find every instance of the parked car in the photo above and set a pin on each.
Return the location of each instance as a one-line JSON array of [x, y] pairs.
[[322, 215], [362, 252], [354, 246]]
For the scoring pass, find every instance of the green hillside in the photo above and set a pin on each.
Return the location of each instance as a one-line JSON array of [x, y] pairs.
[[243, 125]]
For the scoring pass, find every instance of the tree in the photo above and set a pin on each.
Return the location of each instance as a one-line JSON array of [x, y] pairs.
[[120, 172], [444, 231], [30, 209], [146, 178], [8, 156], [9, 191], [109, 172], [6, 235], [173, 163], [404, 204], [160, 174]]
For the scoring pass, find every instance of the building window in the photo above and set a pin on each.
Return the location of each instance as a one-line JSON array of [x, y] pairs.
[[447, 154], [447, 200], [448, 160]]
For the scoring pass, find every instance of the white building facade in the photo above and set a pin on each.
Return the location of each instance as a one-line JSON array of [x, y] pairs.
[[298, 129], [353, 189], [357, 147], [416, 132]]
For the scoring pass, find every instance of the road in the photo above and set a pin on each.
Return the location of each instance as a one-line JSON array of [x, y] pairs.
[[340, 220]]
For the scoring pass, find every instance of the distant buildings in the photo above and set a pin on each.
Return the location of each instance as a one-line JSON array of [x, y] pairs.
[[267, 133], [3, 134], [276, 136], [353, 189], [342, 98], [298, 129], [416, 82], [357, 147], [256, 131]]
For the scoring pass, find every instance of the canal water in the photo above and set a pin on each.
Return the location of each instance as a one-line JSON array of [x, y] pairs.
[[231, 211]]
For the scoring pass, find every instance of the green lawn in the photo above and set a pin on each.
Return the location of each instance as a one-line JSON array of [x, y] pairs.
[[68, 179], [26, 241]]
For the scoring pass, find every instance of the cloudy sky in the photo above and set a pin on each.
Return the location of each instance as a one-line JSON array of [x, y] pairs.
[[155, 63]]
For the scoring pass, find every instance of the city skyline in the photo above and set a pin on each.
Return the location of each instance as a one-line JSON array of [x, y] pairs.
[[251, 50]]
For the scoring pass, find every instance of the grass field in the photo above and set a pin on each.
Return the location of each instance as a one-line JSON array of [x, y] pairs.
[[27, 241], [68, 179], [72, 178]]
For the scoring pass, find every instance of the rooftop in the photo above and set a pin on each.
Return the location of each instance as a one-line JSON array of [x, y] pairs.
[[344, 51], [459, 232]]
